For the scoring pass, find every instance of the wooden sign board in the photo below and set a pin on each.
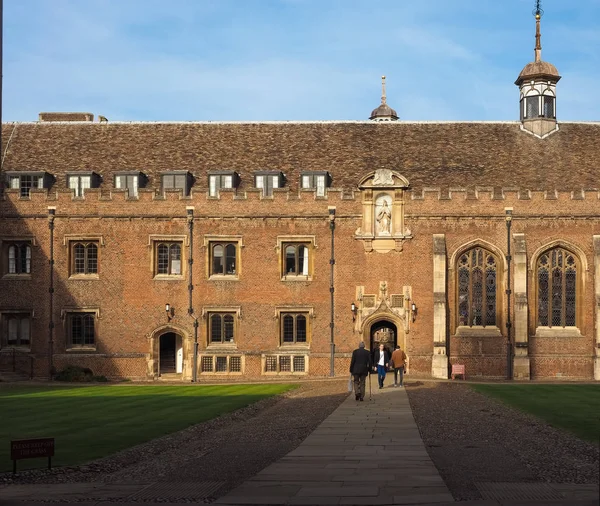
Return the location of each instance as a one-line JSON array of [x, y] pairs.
[[30, 449]]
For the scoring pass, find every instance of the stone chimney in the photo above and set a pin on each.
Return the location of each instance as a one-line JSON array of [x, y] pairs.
[[66, 116]]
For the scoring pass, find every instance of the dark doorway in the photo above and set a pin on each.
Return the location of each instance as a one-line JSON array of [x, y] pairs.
[[386, 333], [168, 344]]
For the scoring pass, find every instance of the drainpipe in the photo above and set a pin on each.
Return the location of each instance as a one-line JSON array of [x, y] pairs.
[[190, 220], [508, 219], [331, 288], [51, 216]]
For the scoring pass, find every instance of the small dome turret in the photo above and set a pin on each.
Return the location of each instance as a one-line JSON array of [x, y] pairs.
[[537, 83], [384, 112]]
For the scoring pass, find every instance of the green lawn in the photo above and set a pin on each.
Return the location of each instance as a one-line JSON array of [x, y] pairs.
[[575, 408], [89, 422]]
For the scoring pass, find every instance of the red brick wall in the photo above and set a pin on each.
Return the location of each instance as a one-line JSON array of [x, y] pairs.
[[132, 302]]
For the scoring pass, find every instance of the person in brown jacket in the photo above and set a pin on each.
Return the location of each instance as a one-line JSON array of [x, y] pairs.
[[399, 360]]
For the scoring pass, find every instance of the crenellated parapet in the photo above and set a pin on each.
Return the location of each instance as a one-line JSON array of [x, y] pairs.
[[504, 194], [480, 201]]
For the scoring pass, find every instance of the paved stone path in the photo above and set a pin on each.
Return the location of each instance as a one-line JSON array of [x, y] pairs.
[[365, 453]]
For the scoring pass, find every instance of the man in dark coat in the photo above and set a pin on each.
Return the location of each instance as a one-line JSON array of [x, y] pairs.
[[360, 366]]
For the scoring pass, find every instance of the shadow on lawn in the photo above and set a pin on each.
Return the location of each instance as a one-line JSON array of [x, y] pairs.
[[162, 426]]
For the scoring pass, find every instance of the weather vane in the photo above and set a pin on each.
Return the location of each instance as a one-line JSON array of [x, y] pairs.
[[538, 12]]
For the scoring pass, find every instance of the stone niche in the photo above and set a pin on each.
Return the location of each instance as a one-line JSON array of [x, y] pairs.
[[383, 228]]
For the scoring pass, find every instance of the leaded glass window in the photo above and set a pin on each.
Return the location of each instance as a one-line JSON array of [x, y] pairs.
[[548, 106], [19, 258], [84, 258], [168, 259], [557, 288], [532, 107], [221, 328], [293, 328], [477, 288], [81, 330], [224, 256], [296, 260]]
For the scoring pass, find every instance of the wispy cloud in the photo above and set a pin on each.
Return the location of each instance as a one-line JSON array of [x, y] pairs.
[[290, 59]]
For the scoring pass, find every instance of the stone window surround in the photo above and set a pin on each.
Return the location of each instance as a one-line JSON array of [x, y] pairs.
[[582, 269], [65, 315], [310, 315], [69, 240], [222, 348], [214, 364], [501, 280], [278, 355], [5, 242], [210, 239], [4, 313], [153, 241], [284, 240]]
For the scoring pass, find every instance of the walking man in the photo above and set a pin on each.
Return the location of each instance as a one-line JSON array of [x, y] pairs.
[[399, 361], [360, 366], [381, 360]]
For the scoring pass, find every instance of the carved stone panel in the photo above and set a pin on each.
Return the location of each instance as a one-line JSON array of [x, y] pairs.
[[383, 229]]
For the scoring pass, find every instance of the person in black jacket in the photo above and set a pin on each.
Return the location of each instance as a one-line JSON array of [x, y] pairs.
[[360, 366], [381, 360]]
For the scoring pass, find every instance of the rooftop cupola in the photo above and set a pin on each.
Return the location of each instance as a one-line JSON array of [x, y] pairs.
[[384, 112], [537, 83]]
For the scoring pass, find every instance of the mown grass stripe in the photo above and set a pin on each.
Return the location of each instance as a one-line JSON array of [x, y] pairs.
[[89, 422], [575, 408]]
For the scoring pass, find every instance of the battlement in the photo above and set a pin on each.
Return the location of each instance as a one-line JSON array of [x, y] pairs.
[[281, 195], [506, 195]]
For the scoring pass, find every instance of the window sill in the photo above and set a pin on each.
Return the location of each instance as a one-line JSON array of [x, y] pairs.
[[86, 277], [225, 347], [557, 332], [10, 347], [302, 347], [477, 331], [285, 373], [17, 276], [169, 277], [294, 278], [223, 277], [220, 373], [75, 349]]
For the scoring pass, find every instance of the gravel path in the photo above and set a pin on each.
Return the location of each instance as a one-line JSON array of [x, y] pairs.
[[472, 438], [469, 437]]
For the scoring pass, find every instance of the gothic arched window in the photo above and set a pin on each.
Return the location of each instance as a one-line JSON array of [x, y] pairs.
[[557, 288], [477, 271]]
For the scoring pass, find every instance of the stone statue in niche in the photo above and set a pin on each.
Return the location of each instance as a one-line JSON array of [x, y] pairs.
[[383, 177], [383, 215]]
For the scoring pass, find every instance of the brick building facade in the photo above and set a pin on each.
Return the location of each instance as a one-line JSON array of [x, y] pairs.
[[278, 246]]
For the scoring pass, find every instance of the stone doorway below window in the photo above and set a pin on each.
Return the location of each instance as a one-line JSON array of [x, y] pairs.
[[170, 354]]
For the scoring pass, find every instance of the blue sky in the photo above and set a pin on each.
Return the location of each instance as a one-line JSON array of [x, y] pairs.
[[257, 60]]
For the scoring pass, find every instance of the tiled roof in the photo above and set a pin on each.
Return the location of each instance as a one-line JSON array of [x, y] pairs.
[[452, 154]]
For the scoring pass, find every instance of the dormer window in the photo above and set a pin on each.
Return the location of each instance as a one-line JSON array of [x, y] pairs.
[[129, 181], [221, 180], [316, 180], [267, 181], [80, 181], [25, 181], [177, 180]]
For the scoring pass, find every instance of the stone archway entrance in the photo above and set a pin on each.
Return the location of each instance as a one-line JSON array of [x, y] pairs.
[[385, 332], [170, 354]]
